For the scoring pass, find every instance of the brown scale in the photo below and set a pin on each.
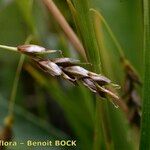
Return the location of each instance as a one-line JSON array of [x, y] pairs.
[[131, 96]]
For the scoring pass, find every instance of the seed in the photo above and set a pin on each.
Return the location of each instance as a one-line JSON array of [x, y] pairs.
[[77, 71], [70, 78], [65, 62], [50, 67], [31, 48], [101, 80], [89, 84]]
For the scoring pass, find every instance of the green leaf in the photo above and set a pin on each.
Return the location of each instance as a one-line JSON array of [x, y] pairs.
[[87, 32], [125, 19], [117, 121], [145, 131], [119, 129], [84, 24]]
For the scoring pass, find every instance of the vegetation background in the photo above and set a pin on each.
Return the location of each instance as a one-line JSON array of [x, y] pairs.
[[112, 33]]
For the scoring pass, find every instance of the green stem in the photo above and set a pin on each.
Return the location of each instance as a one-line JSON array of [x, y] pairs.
[[145, 130], [14, 49], [15, 85], [17, 76]]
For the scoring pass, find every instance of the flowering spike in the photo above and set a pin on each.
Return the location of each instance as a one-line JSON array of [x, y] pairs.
[[70, 70]]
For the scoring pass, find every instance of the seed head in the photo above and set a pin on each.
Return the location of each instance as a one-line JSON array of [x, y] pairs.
[[70, 70]]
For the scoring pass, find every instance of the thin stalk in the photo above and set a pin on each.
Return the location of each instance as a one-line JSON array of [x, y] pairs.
[[10, 48], [74, 14], [65, 26], [72, 9], [145, 130], [16, 80], [15, 85]]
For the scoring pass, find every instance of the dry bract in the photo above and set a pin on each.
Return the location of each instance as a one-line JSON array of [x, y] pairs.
[[65, 61], [76, 71], [50, 67], [89, 84], [31, 48], [100, 79], [131, 95]]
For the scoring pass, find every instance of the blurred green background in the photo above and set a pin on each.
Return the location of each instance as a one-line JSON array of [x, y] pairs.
[[58, 109]]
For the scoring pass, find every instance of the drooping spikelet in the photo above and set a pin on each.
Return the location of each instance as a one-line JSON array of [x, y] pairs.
[[69, 69]]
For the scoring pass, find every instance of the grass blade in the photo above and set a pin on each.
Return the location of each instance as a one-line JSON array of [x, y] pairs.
[[84, 24], [87, 32], [116, 120], [145, 132]]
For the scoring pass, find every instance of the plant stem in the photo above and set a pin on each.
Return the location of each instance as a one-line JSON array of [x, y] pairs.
[[65, 26], [16, 80], [145, 130], [14, 49], [15, 85]]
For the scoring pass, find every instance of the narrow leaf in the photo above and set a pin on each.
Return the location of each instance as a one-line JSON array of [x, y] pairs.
[[145, 131]]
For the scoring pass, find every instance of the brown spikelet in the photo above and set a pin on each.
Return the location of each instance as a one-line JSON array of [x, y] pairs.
[[30, 49], [131, 95], [70, 70]]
